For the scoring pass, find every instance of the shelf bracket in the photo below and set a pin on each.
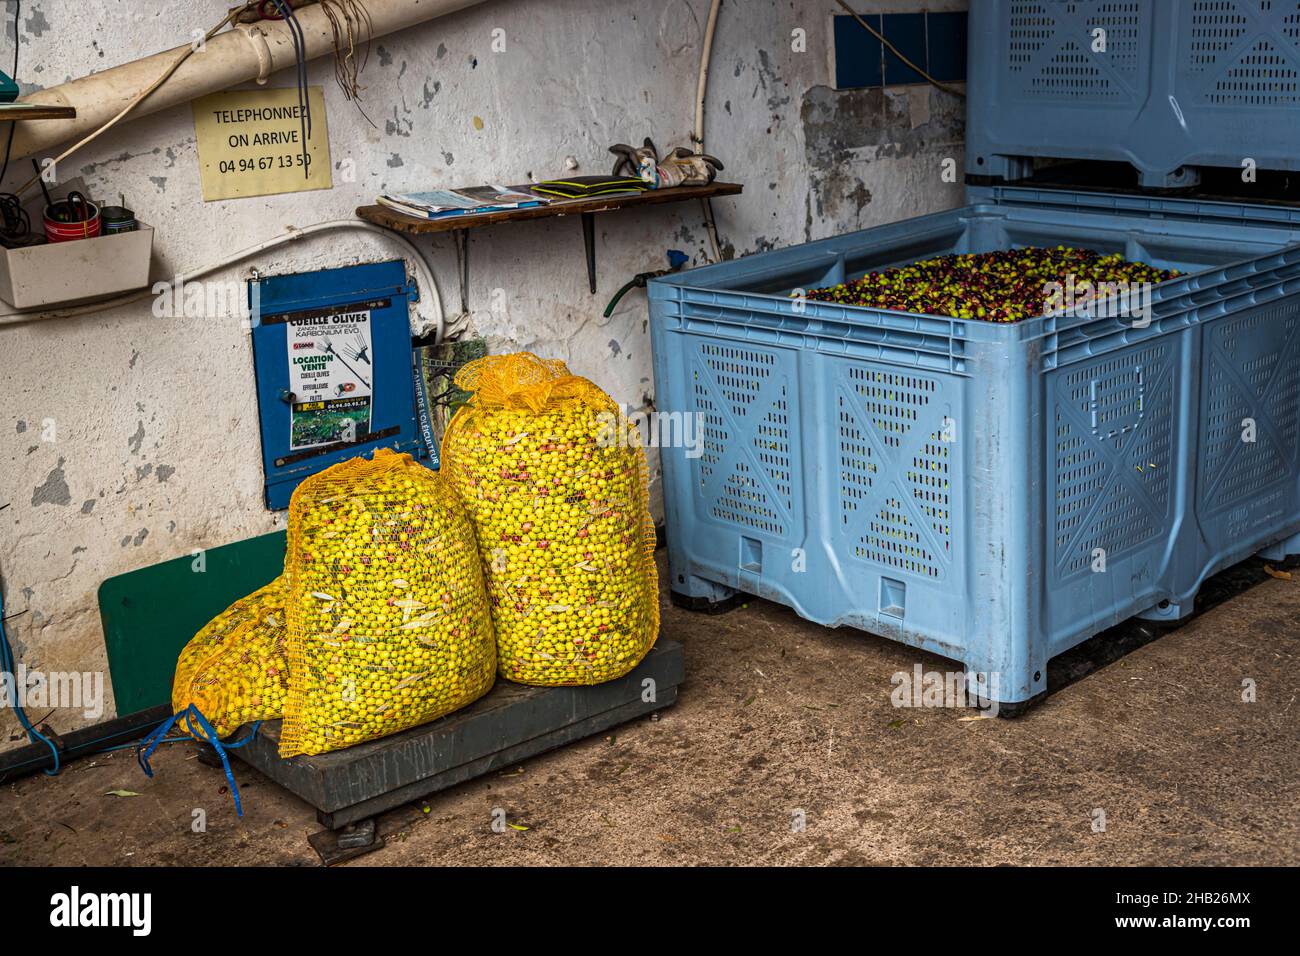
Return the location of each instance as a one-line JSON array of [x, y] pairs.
[[589, 241], [461, 237]]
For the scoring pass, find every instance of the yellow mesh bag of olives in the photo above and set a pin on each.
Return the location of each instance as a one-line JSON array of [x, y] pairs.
[[236, 669], [388, 619], [556, 482]]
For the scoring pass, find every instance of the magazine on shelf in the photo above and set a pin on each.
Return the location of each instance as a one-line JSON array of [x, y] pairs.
[[437, 203]]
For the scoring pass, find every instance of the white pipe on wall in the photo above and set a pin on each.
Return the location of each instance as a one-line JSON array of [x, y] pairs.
[[697, 134], [702, 83], [229, 58]]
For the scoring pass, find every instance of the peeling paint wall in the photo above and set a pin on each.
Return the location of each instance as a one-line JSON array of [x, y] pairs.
[[133, 439]]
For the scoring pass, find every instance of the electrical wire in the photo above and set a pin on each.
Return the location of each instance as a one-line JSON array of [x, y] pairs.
[[351, 25], [134, 744], [348, 18], [15, 224], [304, 106], [893, 49], [140, 98], [283, 11], [304, 89], [83, 751]]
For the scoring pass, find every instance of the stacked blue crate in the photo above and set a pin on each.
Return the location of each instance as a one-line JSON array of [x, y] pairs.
[[1167, 87]]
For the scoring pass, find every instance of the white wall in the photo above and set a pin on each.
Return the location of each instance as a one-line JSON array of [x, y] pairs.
[[157, 448]]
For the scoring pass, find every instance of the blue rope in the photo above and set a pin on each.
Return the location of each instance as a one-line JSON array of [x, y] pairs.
[[7, 666], [206, 734]]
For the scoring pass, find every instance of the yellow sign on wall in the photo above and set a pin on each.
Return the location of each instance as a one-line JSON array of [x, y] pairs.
[[250, 143]]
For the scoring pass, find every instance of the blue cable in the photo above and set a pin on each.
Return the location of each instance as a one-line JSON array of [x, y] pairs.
[[135, 744], [7, 666], [191, 713]]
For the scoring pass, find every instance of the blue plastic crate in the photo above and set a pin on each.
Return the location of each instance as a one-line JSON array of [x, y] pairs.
[[1179, 84], [950, 483]]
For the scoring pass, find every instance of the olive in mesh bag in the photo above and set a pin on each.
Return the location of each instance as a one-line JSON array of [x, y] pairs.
[[388, 620], [556, 482], [235, 670]]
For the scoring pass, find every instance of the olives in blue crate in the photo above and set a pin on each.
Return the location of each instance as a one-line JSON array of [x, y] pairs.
[[1005, 286]]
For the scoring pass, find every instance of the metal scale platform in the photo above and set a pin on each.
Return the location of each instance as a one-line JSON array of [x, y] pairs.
[[510, 723]]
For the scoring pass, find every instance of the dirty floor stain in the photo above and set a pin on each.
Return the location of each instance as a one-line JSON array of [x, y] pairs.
[[778, 717]]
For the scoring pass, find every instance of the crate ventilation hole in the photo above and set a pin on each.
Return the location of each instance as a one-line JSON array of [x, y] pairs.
[[1265, 347], [1050, 49], [910, 527], [1112, 440], [737, 384]]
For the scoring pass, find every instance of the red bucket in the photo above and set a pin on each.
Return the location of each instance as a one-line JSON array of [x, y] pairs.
[[61, 226]]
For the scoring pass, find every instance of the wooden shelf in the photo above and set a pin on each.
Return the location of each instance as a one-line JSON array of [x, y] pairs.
[[10, 114], [392, 219], [584, 208]]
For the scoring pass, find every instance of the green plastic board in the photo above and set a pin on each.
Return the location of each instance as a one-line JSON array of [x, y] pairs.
[[149, 615]]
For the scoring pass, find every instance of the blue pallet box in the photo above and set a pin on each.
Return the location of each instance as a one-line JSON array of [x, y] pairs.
[[993, 493], [1166, 87]]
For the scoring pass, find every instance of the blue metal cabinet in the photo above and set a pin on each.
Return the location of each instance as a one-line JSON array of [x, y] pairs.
[[335, 369]]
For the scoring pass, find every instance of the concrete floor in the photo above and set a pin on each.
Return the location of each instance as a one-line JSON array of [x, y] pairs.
[[779, 715]]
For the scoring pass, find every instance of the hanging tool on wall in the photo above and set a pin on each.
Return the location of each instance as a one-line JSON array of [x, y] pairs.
[[676, 259]]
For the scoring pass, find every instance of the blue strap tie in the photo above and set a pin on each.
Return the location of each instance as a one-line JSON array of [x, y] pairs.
[[205, 734]]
